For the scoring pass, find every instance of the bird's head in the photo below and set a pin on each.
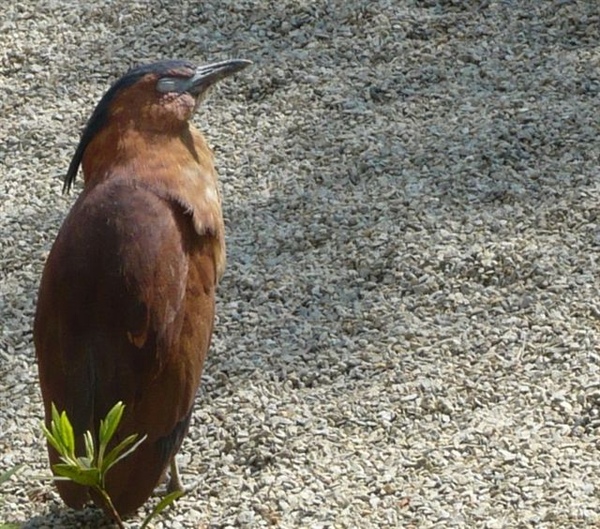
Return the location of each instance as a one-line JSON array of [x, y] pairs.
[[157, 97]]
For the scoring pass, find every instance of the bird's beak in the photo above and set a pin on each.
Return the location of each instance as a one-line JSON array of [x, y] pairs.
[[208, 75]]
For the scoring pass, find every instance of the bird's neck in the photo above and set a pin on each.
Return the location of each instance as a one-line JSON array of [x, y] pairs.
[[176, 166], [145, 154]]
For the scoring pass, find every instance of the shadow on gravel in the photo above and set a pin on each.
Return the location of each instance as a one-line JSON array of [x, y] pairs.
[[20, 272], [60, 517]]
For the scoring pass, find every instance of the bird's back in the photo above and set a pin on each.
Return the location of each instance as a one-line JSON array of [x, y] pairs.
[[125, 312]]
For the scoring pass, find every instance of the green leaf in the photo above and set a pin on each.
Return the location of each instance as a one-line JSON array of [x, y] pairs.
[[55, 414], [89, 447], [67, 435], [162, 505], [84, 462], [60, 434], [51, 439], [116, 455], [109, 425], [69, 461], [5, 476], [130, 439], [83, 476], [56, 442], [52, 432]]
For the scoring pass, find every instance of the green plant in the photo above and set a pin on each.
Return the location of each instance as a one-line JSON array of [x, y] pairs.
[[5, 476], [90, 470]]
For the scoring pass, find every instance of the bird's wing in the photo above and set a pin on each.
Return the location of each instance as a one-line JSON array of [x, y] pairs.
[[125, 310]]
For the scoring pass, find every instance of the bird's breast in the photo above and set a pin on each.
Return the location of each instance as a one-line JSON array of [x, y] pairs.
[[177, 168]]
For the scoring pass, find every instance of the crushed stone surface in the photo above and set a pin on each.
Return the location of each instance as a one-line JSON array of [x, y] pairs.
[[408, 327]]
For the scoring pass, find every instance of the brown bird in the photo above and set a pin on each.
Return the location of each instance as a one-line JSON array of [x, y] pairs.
[[127, 297]]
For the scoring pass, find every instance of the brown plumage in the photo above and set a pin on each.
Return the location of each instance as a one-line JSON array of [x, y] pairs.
[[127, 298]]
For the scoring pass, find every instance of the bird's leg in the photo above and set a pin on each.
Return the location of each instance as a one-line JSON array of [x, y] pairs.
[[175, 483], [175, 478]]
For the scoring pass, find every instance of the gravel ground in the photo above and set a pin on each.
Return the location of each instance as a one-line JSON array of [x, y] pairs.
[[408, 326]]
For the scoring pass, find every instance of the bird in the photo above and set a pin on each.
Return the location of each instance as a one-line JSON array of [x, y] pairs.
[[126, 301]]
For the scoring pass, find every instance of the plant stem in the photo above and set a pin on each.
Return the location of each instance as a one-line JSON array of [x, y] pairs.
[[109, 504]]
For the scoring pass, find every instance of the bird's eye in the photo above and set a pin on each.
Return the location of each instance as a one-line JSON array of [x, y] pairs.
[[167, 84]]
